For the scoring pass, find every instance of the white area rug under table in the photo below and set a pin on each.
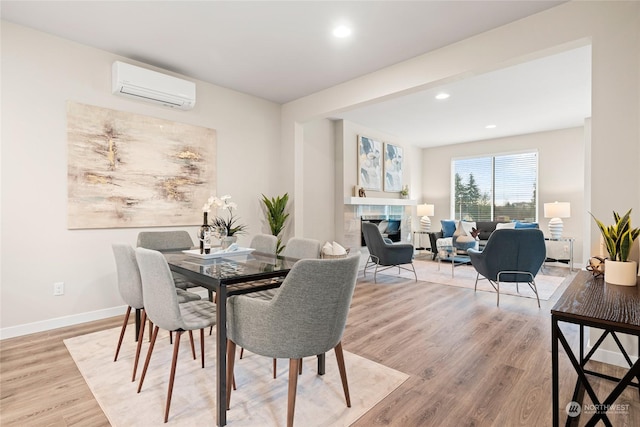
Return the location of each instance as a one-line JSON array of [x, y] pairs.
[[259, 399]]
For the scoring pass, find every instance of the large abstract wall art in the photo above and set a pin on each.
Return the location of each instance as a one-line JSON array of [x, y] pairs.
[[369, 163], [129, 170]]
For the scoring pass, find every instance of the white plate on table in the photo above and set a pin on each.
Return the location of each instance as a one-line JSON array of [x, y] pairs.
[[215, 254]]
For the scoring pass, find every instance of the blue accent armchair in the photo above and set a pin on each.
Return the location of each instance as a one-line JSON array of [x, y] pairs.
[[383, 253], [511, 256]]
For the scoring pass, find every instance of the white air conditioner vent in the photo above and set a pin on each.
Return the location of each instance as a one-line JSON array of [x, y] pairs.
[[151, 86]]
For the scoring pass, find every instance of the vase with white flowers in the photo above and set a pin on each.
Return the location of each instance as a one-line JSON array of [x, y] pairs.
[[228, 221]]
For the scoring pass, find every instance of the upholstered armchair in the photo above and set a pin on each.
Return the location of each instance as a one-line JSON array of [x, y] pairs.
[[384, 254], [511, 255]]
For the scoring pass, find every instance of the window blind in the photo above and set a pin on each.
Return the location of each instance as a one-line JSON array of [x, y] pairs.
[[496, 188]]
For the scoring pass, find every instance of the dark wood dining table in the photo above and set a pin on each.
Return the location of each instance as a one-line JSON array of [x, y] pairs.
[[227, 276]]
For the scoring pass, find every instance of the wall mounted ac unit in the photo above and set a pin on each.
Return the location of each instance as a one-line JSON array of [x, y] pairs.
[[151, 86]]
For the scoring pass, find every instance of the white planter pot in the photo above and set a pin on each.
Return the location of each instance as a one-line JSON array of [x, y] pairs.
[[621, 273]]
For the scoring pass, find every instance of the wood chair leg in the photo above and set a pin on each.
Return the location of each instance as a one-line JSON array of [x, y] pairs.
[[231, 356], [143, 323], [193, 347], [124, 328], [150, 329], [149, 352], [275, 366], [170, 337], [172, 376], [343, 372], [293, 385], [300, 367], [241, 352]]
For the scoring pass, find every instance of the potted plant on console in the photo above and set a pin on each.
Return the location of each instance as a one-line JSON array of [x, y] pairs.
[[618, 239]]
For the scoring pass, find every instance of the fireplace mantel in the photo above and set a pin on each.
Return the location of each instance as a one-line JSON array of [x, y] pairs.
[[378, 201]]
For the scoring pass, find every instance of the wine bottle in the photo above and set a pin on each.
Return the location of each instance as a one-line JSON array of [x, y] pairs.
[[205, 235]]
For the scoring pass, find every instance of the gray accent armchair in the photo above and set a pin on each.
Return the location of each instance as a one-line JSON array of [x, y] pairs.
[[306, 317], [387, 255], [512, 256]]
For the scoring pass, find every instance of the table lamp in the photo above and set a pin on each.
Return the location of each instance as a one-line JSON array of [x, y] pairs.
[[425, 211], [555, 211]]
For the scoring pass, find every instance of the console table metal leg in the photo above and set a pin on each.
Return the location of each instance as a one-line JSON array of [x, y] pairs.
[[555, 390]]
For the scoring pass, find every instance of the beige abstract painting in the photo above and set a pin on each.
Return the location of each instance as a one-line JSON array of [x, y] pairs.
[[130, 170]]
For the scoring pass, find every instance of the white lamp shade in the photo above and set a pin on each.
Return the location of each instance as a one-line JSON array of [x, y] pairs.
[[557, 210], [425, 210]]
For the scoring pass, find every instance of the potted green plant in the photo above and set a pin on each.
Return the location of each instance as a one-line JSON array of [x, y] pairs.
[[276, 216], [404, 193], [618, 239]]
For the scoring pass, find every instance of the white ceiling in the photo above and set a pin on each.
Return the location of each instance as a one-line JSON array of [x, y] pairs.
[[284, 50]]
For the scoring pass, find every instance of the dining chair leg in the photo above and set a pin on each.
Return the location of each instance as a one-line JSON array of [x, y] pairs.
[[300, 367], [231, 356], [202, 346], [475, 287], [275, 367], [170, 337], [343, 372], [293, 385], [241, 352], [172, 376], [124, 328], [143, 323], [149, 352], [193, 347]]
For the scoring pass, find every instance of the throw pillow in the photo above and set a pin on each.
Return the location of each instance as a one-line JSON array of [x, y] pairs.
[[520, 225], [448, 227], [468, 227], [503, 225]]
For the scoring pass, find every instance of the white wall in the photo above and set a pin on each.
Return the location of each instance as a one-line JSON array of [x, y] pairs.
[[319, 179], [560, 175], [39, 74]]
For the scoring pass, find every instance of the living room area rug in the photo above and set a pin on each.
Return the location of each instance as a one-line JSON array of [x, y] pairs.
[[259, 399], [465, 277]]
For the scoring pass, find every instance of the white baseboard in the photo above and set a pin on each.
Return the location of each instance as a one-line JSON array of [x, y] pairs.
[[59, 322], [611, 357]]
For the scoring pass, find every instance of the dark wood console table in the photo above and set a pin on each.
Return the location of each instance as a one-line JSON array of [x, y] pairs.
[[614, 309]]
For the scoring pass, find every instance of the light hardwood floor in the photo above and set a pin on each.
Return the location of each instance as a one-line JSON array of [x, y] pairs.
[[470, 363]]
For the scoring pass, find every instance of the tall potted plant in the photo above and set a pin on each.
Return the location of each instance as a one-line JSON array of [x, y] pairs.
[[618, 239], [276, 216]]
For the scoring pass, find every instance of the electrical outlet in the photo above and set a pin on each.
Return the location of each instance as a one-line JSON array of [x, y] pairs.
[[58, 288]]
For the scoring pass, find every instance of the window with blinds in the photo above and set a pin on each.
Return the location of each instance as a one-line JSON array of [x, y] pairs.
[[496, 188]]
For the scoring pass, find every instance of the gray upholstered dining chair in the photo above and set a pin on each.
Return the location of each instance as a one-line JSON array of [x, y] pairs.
[[299, 248], [385, 254], [306, 317], [302, 248], [175, 240], [162, 307], [513, 256], [265, 243], [130, 288]]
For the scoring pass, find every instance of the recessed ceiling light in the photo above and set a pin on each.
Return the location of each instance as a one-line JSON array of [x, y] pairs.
[[490, 126], [342, 31], [442, 95]]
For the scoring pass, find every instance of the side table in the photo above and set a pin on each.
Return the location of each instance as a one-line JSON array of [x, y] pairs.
[[591, 302], [418, 242], [569, 240]]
